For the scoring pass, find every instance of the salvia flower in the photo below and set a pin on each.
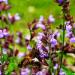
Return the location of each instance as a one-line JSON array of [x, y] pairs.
[[29, 47], [17, 17], [68, 28], [72, 40], [4, 51], [13, 18], [1, 0], [67, 22], [40, 25], [27, 37], [60, 1], [41, 19], [47, 47], [4, 6], [6, 1], [17, 40], [5, 33], [51, 19], [25, 71], [1, 34], [53, 42], [20, 54], [9, 16], [39, 37], [41, 34], [39, 45], [61, 72], [56, 67], [57, 33], [43, 54], [68, 34], [42, 72], [39, 73]]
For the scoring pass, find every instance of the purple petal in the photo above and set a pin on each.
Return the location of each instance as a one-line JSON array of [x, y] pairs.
[[60, 1], [72, 40]]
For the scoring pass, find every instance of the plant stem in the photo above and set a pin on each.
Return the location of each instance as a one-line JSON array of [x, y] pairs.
[[62, 51]]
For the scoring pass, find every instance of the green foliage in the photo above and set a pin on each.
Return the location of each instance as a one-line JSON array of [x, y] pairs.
[[73, 30], [4, 57], [32, 43], [67, 71], [26, 31], [70, 60], [12, 65], [50, 64]]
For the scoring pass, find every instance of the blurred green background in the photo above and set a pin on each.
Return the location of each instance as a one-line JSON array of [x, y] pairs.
[[30, 9]]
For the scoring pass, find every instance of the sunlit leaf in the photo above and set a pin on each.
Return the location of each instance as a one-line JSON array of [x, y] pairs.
[[32, 43], [67, 71]]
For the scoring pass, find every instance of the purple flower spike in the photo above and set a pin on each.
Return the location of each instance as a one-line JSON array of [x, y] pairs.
[[60, 1], [43, 55], [40, 25], [53, 42]]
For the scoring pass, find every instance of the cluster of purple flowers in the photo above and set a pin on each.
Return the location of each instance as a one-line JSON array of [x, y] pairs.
[[4, 6], [39, 45], [6, 1], [45, 41], [4, 33]]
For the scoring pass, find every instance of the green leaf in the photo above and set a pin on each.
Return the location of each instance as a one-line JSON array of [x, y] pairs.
[[32, 43], [38, 30], [67, 71], [27, 32], [4, 57], [21, 49], [11, 47], [12, 65], [50, 64], [70, 60]]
